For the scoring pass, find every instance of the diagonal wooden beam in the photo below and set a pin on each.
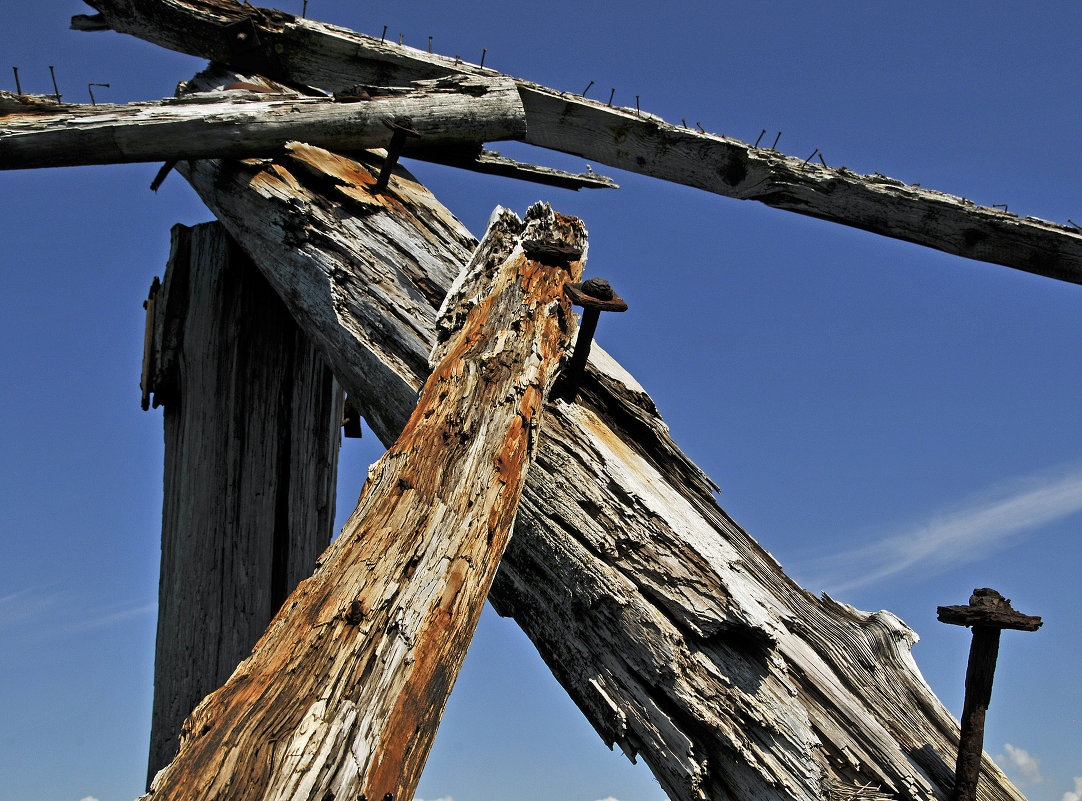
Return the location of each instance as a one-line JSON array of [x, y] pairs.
[[678, 636], [342, 695], [283, 46]]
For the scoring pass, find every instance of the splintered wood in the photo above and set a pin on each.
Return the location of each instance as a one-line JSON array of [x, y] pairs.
[[251, 418], [676, 633], [342, 695]]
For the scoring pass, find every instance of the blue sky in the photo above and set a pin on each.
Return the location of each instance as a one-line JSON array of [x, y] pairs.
[[896, 425]]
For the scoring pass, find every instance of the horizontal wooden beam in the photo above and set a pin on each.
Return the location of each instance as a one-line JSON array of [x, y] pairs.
[[333, 58], [457, 110]]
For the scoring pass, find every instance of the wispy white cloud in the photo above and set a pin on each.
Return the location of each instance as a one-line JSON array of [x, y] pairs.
[[48, 610], [88, 798], [994, 520], [1076, 794], [609, 798], [1026, 766], [441, 798]]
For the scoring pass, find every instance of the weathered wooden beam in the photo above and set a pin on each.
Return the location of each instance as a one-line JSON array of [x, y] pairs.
[[251, 417], [342, 695], [333, 58], [455, 110], [677, 635]]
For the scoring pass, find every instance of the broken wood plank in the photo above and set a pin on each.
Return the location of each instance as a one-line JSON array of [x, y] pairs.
[[489, 162], [342, 695], [678, 636], [244, 124], [251, 418], [333, 58]]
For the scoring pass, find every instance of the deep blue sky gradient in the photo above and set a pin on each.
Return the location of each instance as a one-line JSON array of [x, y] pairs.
[[847, 392]]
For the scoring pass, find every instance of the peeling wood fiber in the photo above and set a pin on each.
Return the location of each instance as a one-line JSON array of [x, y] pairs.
[[342, 695], [678, 636], [332, 58]]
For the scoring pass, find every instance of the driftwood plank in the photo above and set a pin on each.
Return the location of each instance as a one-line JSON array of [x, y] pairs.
[[677, 635], [342, 695], [36, 132], [331, 57], [251, 417]]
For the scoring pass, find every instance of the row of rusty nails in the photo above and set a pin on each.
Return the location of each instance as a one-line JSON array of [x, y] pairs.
[[56, 89], [401, 36]]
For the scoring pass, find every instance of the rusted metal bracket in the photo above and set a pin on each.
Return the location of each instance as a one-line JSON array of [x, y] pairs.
[[146, 379], [246, 51], [403, 129], [988, 613], [594, 296]]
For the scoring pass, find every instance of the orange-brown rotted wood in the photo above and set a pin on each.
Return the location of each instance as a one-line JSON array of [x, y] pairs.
[[344, 692]]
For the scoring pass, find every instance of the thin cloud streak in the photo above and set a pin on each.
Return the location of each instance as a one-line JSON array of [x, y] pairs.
[[993, 521]]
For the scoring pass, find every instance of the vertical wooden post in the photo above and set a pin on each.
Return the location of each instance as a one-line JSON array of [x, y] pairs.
[[252, 418]]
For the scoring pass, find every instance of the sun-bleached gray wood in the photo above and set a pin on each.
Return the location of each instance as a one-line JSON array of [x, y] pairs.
[[36, 132], [677, 635], [342, 696], [251, 416], [331, 57]]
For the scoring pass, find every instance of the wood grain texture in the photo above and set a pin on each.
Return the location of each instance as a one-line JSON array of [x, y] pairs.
[[251, 420], [331, 58], [342, 695], [456, 110], [678, 635]]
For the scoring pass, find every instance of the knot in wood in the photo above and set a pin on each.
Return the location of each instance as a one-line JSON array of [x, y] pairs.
[[598, 288]]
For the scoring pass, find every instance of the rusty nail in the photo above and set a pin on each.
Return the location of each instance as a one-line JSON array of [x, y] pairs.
[[403, 128], [18, 86], [821, 160], [483, 51], [91, 91], [776, 138], [55, 87], [594, 296], [1076, 225], [429, 44], [760, 137], [304, 10], [384, 36], [1000, 206], [809, 158], [612, 94], [587, 89], [988, 613], [401, 36], [685, 121], [699, 125], [636, 105]]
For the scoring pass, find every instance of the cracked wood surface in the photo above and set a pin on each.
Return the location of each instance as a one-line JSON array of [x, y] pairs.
[[678, 636], [458, 110], [251, 418], [342, 695], [332, 58]]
